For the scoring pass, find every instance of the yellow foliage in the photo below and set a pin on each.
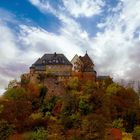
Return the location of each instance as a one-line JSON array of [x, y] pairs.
[[127, 136], [36, 116]]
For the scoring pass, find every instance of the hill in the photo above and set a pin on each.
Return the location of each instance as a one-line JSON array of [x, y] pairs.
[[74, 109]]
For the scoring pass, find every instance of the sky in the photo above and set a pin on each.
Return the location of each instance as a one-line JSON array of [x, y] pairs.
[[109, 30]]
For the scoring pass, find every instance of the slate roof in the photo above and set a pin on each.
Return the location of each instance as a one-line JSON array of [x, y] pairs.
[[50, 59], [102, 77]]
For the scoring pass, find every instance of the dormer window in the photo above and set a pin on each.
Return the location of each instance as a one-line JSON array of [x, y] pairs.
[[56, 61], [44, 61]]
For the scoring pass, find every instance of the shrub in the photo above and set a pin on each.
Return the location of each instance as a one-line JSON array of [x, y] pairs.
[[38, 134], [118, 123], [66, 121], [84, 107], [136, 133], [31, 124], [5, 130], [36, 116]]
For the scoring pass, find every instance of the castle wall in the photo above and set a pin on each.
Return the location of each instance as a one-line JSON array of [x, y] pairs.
[[85, 76]]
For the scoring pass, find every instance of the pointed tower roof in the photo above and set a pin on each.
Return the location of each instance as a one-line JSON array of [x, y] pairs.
[[88, 64]]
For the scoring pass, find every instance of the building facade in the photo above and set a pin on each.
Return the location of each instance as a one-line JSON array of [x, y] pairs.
[[83, 68], [52, 64]]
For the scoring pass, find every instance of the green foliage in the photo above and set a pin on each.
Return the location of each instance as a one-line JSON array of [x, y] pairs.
[[72, 121], [66, 122], [112, 89], [36, 116], [84, 107], [93, 127], [5, 130], [75, 119], [48, 104], [15, 93], [73, 83], [136, 133], [38, 134], [118, 123], [89, 87], [70, 104], [43, 91]]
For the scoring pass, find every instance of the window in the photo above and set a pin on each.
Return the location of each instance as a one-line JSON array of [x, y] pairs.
[[43, 61]]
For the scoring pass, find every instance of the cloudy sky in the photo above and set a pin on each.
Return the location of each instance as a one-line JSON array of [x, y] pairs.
[[108, 29]]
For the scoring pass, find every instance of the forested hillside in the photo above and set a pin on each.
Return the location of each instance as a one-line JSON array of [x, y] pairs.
[[84, 111]]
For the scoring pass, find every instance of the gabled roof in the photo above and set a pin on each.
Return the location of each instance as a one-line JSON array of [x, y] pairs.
[[87, 63], [50, 59], [86, 59]]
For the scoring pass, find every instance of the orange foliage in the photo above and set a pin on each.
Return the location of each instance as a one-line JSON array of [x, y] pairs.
[[16, 137], [116, 133], [33, 89]]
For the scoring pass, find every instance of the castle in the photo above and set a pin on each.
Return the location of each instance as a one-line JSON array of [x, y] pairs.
[[58, 65]]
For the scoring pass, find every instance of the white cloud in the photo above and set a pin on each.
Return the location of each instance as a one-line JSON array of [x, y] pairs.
[[44, 6], [43, 41], [115, 50], [84, 8], [76, 8], [116, 44], [7, 55]]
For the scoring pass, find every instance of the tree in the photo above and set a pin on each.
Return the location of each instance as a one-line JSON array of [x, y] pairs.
[[112, 89], [84, 107], [89, 87], [16, 112], [5, 129], [73, 83], [12, 84], [93, 127], [17, 93], [118, 123], [136, 133], [43, 91], [70, 104]]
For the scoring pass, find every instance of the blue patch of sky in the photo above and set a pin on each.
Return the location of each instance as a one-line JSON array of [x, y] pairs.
[[136, 34], [28, 14], [55, 3], [90, 24]]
